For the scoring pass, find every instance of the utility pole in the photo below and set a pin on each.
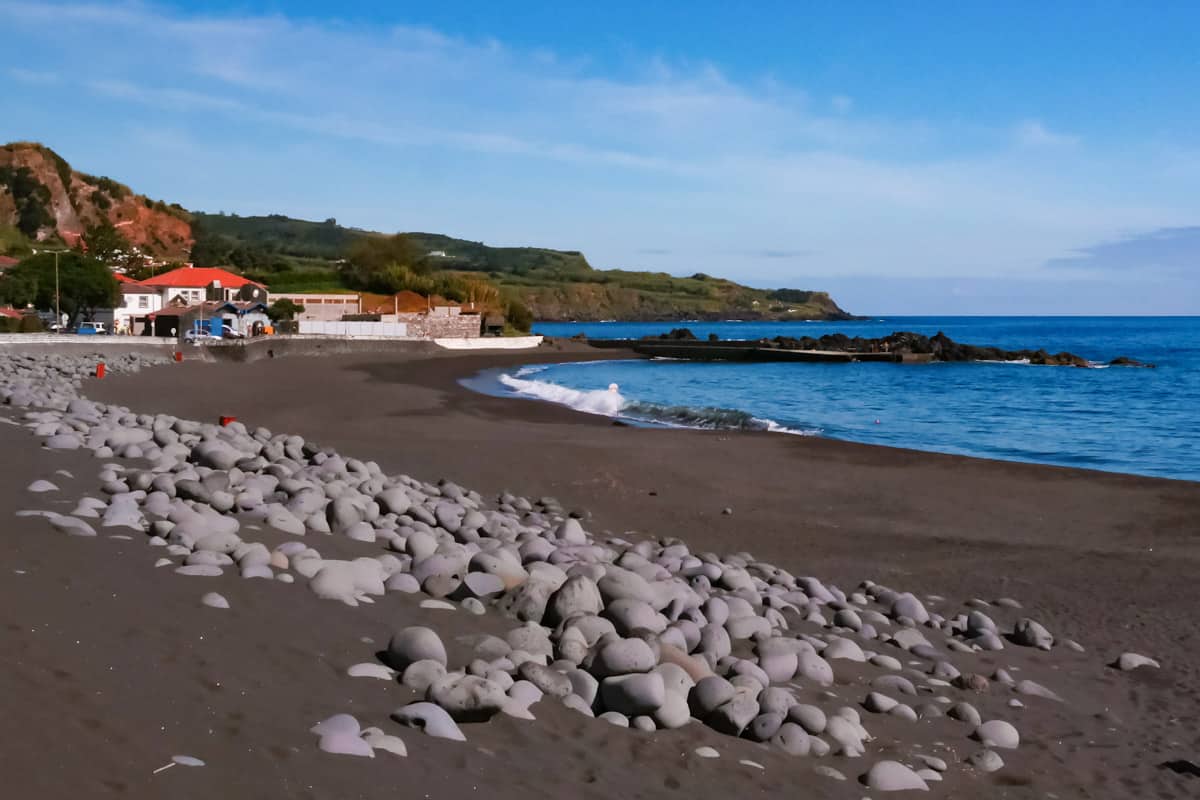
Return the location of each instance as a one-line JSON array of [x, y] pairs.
[[57, 302]]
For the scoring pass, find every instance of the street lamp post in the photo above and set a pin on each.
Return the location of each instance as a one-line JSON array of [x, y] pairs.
[[57, 300]]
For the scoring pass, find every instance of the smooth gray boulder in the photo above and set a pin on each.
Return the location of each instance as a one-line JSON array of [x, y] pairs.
[[623, 657], [415, 644], [709, 694], [998, 733], [809, 717], [792, 739], [892, 776], [633, 695]]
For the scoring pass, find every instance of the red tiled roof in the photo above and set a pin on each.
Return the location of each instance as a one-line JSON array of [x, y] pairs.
[[198, 278], [123, 278], [8, 261], [9, 311]]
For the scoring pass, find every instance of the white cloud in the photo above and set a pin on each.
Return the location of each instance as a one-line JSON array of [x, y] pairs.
[[669, 157]]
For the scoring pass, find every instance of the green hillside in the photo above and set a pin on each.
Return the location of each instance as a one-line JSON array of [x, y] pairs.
[[298, 255]]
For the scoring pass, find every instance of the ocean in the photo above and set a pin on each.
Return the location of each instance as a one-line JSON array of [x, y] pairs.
[[1120, 419]]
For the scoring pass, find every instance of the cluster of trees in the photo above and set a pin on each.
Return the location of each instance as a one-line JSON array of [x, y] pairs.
[[31, 197], [390, 264], [84, 284]]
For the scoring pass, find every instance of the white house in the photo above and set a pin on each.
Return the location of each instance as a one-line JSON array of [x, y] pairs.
[[139, 303], [188, 285]]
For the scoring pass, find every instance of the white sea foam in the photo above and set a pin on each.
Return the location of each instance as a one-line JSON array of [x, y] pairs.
[[611, 403], [607, 402]]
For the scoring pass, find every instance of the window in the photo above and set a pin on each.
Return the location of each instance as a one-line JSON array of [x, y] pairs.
[[143, 301]]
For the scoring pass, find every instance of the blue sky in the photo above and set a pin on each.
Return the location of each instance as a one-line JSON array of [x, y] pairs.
[[957, 158]]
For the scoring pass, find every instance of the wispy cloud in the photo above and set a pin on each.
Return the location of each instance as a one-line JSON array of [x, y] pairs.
[[655, 159], [1166, 250], [1032, 133], [32, 77]]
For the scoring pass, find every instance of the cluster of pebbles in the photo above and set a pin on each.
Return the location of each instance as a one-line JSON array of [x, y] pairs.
[[644, 634]]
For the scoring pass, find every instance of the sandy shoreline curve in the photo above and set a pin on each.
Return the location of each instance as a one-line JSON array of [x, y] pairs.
[[112, 659]]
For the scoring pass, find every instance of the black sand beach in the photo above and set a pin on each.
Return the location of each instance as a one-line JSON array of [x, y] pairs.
[[112, 667]]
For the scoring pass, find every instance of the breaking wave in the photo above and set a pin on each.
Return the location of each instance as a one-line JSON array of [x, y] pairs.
[[611, 403]]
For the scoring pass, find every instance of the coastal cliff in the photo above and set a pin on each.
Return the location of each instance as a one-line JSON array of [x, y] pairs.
[[44, 200]]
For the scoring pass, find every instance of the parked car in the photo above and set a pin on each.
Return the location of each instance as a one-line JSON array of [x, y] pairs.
[[91, 329], [199, 335], [229, 333]]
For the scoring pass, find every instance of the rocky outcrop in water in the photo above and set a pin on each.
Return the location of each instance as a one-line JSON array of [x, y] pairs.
[[905, 345]]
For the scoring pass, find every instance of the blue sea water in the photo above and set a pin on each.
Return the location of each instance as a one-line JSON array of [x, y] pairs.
[[1144, 421]]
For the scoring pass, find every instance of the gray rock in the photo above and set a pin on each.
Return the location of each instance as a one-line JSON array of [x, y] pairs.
[[553, 683], [415, 644], [422, 674], [633, 695], [613, 718], [986, 761], [1030, 633], [673, 713], [965, 712], [764, 727], [623, 657], [998, 733], [41, 486], [792, 739], [200, 571], [430, 718], [467, 698], [214, 600], [1131, 661], [809, 717], [1033, 689], [709, 694], [733, 716], [892, 776]]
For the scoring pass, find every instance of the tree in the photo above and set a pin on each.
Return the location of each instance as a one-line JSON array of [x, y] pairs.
[[85, 284], [284, 309], [518, 315], [104, 242], [378, 263]]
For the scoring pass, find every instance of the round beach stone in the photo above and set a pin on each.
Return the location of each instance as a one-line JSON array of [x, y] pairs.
[[420, 675], [892, 776], [415, 644], [41, 486], [673, 713], [214, 600], [709, 694], [998, 733], [792, 739], [633, 695], [613, 718], [965, 712], [623, 657], [986, 761], [809, 717]]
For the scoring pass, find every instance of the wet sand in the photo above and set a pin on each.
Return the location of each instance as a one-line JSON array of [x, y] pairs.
[[112, 667]]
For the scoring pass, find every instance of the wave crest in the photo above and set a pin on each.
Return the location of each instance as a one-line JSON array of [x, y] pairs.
[[611, 403]]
